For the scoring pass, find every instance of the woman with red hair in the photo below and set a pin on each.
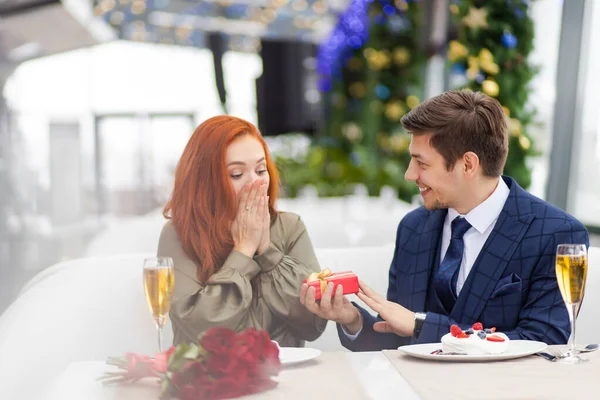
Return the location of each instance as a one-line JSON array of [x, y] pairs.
[[238, 262]]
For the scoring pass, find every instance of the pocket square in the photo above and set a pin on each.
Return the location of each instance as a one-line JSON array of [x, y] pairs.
[[507, 285]]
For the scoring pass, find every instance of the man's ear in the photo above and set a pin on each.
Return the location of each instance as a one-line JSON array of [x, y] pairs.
[[470, 164]]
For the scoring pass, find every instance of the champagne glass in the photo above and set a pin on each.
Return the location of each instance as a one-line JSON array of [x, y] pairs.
[[571, 272], [159, 280]]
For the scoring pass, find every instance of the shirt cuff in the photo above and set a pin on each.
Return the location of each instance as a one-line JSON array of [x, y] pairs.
[[269, 258], [242, 263], [350, 336]]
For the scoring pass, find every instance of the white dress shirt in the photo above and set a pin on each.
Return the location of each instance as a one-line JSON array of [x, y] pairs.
[[482, 219]]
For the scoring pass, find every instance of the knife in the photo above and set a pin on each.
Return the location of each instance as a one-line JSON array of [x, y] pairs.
[[547, 356]]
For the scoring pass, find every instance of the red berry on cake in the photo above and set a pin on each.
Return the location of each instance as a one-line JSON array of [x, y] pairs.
[[455, 330], [477, 326]]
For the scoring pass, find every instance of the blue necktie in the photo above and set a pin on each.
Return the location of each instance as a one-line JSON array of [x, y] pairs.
[[445, 279]]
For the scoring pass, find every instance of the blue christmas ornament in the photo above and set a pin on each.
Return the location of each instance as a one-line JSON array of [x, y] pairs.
[[479, 78], [509, 40], [355, 159], [389, 9], [519, 13], [382, 91], [398, 24], [458, 69]]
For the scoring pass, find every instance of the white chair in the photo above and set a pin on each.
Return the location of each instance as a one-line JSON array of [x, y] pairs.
[[72, 314], [370, 264], [588, 324], [132, 235]]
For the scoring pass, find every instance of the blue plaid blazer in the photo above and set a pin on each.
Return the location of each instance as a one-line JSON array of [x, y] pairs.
[[511, 286]]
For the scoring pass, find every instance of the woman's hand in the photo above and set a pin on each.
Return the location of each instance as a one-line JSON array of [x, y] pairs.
[[247, 228], [266, 224]]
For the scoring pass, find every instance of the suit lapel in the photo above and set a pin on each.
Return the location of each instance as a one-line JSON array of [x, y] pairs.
[[497, 251], [424, 250]]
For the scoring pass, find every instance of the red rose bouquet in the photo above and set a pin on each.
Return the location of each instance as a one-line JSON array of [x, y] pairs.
[[222, 365]]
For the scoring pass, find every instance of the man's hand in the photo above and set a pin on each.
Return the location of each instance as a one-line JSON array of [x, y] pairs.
[[333, 307], [396, 318]]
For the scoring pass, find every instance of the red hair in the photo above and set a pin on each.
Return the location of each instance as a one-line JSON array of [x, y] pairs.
[[203, 204]]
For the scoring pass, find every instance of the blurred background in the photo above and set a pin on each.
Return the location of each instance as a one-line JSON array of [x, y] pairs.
[[100, 97]]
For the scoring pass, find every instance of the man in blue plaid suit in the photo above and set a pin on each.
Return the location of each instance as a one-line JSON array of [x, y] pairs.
[[480, 249]]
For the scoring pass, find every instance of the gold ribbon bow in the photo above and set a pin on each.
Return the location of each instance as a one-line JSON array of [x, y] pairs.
[[322, 277]]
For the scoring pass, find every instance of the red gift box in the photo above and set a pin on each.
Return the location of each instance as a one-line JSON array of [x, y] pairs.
[[319, 281]]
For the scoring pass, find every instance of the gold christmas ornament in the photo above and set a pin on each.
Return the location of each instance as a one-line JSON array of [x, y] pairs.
[[357, 89], [355, 64], [378, 59], [401, 56], [412, 101], [514, 127], [401, 5], [524, 142], [490, 88], [394, 110], [473, 68], [486, 61], [399, 143], [456, 51], [476, 19], [454, 9], [506, 111]]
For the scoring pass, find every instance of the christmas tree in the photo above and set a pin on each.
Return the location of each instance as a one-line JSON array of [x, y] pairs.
[[370, 68], [494, 40]]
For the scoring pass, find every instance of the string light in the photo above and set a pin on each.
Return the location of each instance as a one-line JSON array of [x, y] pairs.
[[117, 18], [300, 5], [351, 33], [319, 7], [138, 7]]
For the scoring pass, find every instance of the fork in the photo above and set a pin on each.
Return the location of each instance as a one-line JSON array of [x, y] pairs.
[[551, 354]]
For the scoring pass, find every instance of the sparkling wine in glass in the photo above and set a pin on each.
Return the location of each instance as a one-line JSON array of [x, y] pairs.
[[571, 272], [159, 280]]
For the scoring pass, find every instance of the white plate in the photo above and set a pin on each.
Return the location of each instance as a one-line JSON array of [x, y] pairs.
[[295, 355], [516, 349]]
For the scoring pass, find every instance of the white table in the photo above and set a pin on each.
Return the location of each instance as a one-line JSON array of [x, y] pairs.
[[333, 375], [525, 378]]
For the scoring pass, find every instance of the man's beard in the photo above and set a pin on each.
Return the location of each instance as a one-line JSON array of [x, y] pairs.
[[436, 205]]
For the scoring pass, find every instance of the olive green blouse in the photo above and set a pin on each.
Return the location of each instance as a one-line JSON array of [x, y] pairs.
[[260, 292]]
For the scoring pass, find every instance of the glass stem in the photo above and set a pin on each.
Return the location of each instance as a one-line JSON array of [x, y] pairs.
[[573, 316], [159, 330]]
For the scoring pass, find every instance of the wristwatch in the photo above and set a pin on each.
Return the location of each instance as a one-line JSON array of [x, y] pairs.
[[419, 321]]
